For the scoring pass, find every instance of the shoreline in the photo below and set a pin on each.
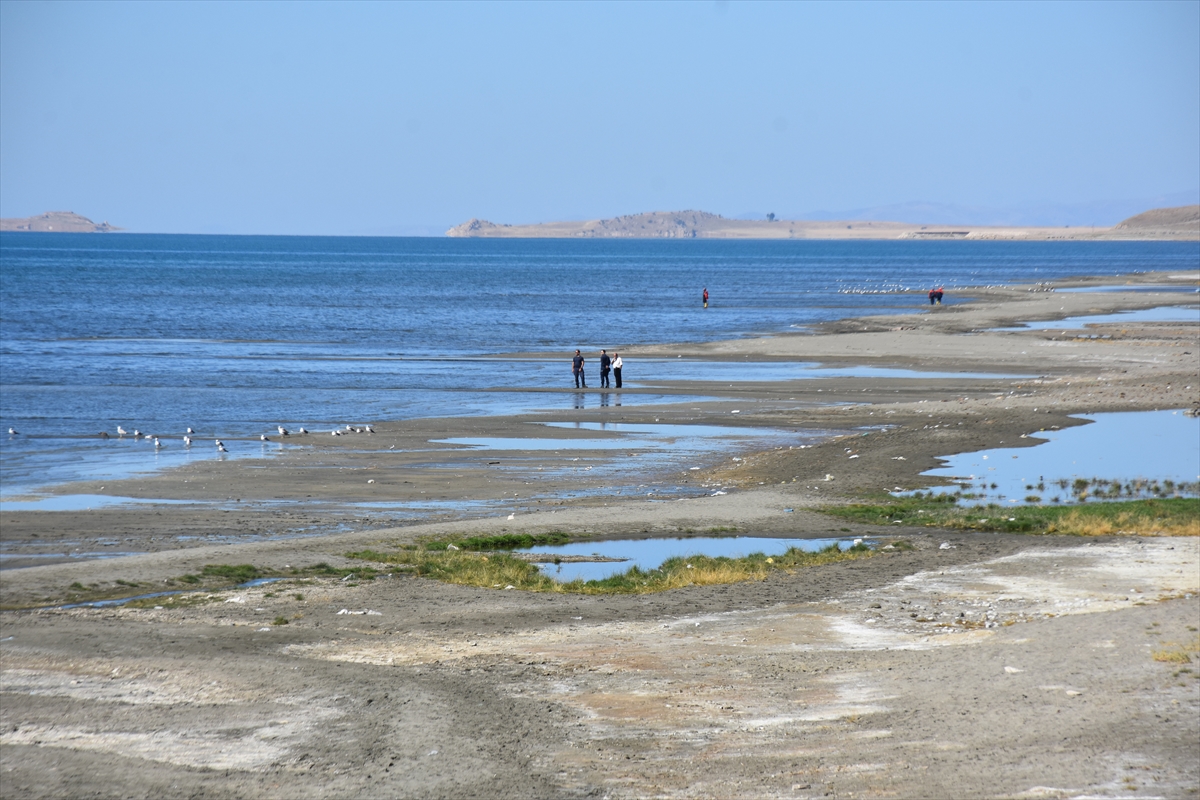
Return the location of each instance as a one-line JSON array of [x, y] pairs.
[[862, 677]]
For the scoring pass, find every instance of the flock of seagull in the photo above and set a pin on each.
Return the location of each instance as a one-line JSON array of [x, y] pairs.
[[188, 441]]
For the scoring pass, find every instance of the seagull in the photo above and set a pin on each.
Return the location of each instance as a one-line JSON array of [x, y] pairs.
[[12, 431], [157, 443], [221, 447], [302, 431], [187, 440], [137, 434], [283, 431], [263, 436], [220, 444], [189, 430], [335, 432], [121, 431], [369, 429]]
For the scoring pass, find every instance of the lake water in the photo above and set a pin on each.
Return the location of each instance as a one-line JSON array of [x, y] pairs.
[[233, 335]]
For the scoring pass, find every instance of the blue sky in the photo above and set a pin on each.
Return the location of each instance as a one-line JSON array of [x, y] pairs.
[[406, 118]]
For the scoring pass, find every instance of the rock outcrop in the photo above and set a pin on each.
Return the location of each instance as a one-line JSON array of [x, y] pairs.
[[56, 222]]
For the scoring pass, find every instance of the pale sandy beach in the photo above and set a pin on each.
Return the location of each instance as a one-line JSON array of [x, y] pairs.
[[845, 680]]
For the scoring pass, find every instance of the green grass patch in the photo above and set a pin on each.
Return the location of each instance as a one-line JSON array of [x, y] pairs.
[[239, 573], [503, 541], [1166, 517], [501, 571]]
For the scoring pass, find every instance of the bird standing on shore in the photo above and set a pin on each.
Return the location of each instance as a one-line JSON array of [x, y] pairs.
[[189, 430], [283, 431], [121, 431], [12, 431], [187, 440], [221, 448], [157, 443], [137, 434], [220, 444], [302, 430], [263, 436]]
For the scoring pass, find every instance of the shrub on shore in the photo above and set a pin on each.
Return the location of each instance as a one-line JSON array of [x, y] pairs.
[[502, 571], [1167, 517]]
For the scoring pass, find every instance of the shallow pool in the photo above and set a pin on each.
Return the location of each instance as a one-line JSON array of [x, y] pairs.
[[1160, 314], [1136, 451], [648, 554]]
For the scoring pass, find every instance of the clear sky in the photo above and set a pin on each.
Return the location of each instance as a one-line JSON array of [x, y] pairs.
[[393, 118]]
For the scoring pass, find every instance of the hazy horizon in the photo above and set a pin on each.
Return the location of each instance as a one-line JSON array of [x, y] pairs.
[[407, 119]]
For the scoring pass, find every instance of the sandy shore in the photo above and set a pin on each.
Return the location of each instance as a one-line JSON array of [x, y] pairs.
[[848, 680]]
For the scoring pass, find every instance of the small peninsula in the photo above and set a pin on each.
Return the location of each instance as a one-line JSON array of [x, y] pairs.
[[1179, 224], [56, 222]]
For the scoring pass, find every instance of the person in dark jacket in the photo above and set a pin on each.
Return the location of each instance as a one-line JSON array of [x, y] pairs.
[[605, 365], [577, 371]]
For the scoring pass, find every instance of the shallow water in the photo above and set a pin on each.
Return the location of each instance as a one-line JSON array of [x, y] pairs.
[[648, 554], [79, 502], [737, 371], [236, 334], [1124, 447], [1160, 314]]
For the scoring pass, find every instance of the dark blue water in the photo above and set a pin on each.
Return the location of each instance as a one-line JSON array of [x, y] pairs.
[[235, 334]]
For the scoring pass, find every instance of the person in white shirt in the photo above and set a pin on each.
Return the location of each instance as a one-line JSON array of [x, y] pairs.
[[617, 363]]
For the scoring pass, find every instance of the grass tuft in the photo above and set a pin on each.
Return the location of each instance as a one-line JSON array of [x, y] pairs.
[[1166, 517]]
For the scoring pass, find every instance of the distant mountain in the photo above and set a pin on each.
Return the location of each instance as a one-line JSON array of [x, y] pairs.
[[1164, 222], [1102, 214], [1158, 224], [56, 222]]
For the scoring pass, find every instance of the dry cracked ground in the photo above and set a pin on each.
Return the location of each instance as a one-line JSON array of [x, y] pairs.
[[971, 667]]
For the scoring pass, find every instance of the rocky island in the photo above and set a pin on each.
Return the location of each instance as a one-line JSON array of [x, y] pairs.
[[1182, 223]]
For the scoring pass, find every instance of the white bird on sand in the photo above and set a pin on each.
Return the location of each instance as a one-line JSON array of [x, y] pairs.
[[283, 431], [302, 431], [121, 431], [221, 448], [263, 436], [187, 440], [369, 429], [12, 431], [335, 432]]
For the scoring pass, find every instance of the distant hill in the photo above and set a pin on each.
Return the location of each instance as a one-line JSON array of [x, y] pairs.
[[1180, 222], [56, 222], [1163, 223], [676, 225]]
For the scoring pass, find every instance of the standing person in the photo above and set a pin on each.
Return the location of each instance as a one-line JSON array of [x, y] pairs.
[[706, 297], [941, 290], [617, 363], [932, 296], [577, 371], [605, 363]]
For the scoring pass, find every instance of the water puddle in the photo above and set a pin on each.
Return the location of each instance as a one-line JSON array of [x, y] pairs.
[[676, 438], [648, 554], [1160, 314], [79, 502], [1119, 456]]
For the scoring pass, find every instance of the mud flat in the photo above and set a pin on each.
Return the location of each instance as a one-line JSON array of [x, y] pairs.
[[980, 665]]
